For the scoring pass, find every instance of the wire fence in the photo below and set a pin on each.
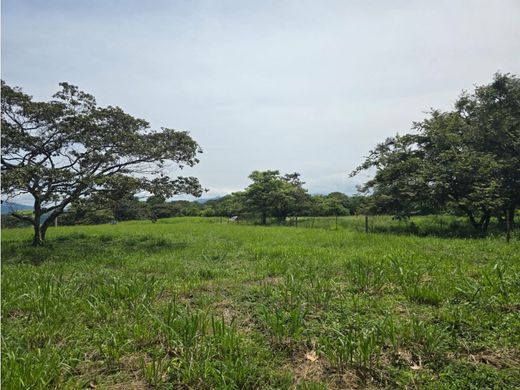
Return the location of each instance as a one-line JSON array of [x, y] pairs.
[[437, 225]]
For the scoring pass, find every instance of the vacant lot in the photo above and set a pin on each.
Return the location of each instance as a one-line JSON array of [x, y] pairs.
[[190, 303]]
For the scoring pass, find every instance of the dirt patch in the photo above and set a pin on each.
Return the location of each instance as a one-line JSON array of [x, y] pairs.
[[16, 314], [226, 311], [309, 366], [497, 359], [127, 373], [133, 363]]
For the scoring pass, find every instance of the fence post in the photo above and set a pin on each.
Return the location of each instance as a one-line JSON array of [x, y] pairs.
[[366, 223], [336, 221]]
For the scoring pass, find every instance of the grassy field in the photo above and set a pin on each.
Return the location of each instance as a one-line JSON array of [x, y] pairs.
[[191, 303]]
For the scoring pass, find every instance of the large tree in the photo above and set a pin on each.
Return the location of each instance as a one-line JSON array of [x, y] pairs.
[[467, 159], [68, 148], [271, 194]]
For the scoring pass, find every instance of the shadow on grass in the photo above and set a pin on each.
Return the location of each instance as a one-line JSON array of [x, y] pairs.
[[458, 231], [80, 247], [421, 226]]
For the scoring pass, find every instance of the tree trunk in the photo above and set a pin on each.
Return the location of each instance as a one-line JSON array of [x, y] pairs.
[[482, 224], [511, 216], [43, 230], [38, 236], [473, 221], [508, 225], [264, 218], [486, 222], [40, 229]]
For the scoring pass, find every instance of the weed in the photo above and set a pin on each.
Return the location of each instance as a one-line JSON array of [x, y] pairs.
[[380, 309]]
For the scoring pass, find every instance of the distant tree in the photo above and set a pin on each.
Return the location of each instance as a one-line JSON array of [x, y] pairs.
[[360, 204], [184, 208], [157, 207], [129, 208], [293, 200], [229, 205], [339, 203], [467, 159], [86, 212], [68, 148], [335, 206], [208, 212], [335, 203], [271, 194], [318, 205]]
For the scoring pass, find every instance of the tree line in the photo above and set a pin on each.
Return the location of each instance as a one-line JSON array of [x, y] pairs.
[[72, 156], [279, 207]]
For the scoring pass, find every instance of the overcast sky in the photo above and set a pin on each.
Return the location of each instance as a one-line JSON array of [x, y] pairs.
[[305, 86]]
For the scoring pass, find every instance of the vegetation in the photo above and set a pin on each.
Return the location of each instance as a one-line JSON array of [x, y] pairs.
[[193, 303], [466, 160], [69, 148], [276, 195], [88, 212], [197, 303]]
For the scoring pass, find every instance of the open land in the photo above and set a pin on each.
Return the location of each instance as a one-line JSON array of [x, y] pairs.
[[194, 303]]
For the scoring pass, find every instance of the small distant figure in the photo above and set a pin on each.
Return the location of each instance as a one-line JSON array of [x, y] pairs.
[[233, 219]]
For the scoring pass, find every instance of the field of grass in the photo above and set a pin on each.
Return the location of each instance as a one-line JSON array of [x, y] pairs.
[[191, 303]]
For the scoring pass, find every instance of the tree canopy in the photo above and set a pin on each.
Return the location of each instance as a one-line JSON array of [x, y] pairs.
[[68, 148], [271, 194], [467, 159]]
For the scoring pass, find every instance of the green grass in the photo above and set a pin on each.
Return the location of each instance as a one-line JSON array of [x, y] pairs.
[[191, 303]]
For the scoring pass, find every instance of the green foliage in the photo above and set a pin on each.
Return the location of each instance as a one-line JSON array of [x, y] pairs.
[[9, 221], [466, 160], [228, 205], [190, 303], [69, 148], [271, 194]]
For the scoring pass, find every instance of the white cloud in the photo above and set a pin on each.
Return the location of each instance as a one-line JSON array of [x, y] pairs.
[[300, 86]]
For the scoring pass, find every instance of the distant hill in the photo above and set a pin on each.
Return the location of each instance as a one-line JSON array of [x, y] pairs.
[[10, 207], [204, 200]]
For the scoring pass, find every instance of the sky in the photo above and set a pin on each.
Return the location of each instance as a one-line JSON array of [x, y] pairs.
[[297, 86]]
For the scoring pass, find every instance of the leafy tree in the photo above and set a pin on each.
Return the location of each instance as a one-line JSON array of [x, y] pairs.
[[400, 185], [157, 207], [129, 208], [68, 148], [335, 207], [271, 194], [467, 159], [359, 204], [332, 204], [228, 205], [184, 208], [293, 199], [339, 203], [263, 193]]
